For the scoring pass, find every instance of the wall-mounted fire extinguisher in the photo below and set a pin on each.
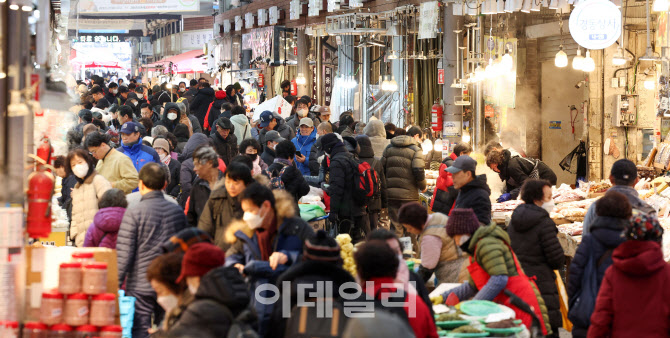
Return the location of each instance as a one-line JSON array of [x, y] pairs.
[[40, 191], [45, 152], [294, 88], [436, 116], [261, 80]]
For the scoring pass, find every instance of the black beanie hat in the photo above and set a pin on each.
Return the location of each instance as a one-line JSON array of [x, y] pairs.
[[322, 248], [329, 141]]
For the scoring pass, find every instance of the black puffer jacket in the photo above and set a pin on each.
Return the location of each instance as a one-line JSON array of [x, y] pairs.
[[404, 169], [293, 121], [315, 154], [200, 192], [227, 149], [294, 182], [174, 188], [515, 170], [605, 235], [221, 297], [282, 128], [366, 153], [201, 102], [475, 196], [268, 156], [533, 235], [341, 190]]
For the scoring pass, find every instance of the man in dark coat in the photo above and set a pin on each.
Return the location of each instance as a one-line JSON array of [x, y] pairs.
[[294, 182], [380, 201], [514, 170], [535, 242], [272, 138], [445, 194], [144, 228], [316, 154], [405, 173], [112, 94], [201, 102], [474, 192], [99, 96], [187, 175], [192, 90], [271, 121], [224, 139]]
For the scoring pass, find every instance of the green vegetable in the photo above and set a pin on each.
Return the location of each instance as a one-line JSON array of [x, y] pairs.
[[466, 329], [448, 317]]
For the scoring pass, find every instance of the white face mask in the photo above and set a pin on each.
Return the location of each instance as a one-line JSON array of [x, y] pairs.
[[167, 302], [172, 116], [114, 91], [464, 238], [253, 220], [165, 158], [192, 289], [549, 206], [80, 170], [302, 112]]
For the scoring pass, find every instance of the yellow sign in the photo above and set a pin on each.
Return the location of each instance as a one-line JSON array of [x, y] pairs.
[[55, 239]]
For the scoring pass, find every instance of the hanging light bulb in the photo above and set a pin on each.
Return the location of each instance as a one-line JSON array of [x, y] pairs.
[[578, 60], [427, 146], [392, 55], [619, 59], [300, 80], [561, 59], [650, 82], [507, 62], [392, 84], [661, 5], [588, 65]]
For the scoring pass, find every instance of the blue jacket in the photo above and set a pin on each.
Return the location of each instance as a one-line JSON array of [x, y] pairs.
[[140, 154], [291, 234], [145, 226], [304, 144]]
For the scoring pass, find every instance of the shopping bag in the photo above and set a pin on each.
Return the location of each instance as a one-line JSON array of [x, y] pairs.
[[563, 298]]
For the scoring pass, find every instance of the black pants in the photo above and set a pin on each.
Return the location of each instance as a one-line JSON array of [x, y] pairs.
[[357, 227], [374, 220], [145, 307]]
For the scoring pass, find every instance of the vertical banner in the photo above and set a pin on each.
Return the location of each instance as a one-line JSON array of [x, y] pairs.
[[314, 84], [328, 85]]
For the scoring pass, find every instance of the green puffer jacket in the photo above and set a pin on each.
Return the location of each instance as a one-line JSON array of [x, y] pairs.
[[492, 252]]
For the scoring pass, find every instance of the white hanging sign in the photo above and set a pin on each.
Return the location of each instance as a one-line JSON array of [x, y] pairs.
[[238, 23], [249, 20], [295, 9], [262, 16], [314, 7], [274, 15], [226, 26], [595, 24]]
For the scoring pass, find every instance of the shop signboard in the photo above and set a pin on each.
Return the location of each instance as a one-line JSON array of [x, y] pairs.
[[295, 10], [451, 129], [274, 15], [328, 84], [440, 76], [191, 40], [134, 6], [595, 24]]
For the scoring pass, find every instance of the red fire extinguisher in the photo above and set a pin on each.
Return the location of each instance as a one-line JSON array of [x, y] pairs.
[[45, 152], [294, 88], [436, 116], [261, 80], [40, 191]]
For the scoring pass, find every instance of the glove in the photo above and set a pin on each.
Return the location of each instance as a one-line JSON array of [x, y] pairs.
[[437, 300], [452, 300], [504, 198]]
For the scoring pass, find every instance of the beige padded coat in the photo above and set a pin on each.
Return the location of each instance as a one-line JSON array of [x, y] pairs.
[[85, 205]]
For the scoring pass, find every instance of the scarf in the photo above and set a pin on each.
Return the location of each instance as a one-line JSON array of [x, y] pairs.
[[257, 168], [165, 159], [265, 240]]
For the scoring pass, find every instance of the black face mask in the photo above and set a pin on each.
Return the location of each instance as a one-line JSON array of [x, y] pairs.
[[253, 157]]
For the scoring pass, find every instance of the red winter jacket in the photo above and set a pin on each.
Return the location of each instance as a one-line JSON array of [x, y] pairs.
[[444, 194], [634, 298], [420, 320]]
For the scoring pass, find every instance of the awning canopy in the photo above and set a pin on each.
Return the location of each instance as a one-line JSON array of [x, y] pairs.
[[184, 63], [100, 60]]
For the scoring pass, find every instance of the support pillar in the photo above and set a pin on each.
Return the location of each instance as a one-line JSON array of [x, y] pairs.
[[303, 65], [453, 114], [364, 84]]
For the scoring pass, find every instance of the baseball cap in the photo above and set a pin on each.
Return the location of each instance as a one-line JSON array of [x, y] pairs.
[[266, 118], [323, 110], [463, 162], [306, 121], [274, 136], [624, 170], [199, 259], [129, 128]]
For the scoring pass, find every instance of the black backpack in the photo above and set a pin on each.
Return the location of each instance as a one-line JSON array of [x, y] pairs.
[[240, 326]]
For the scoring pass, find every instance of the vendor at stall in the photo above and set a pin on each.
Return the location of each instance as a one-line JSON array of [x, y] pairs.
[[515, 170], [494, 271]]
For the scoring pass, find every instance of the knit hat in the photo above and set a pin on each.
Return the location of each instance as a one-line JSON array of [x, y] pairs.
[[329, 141], [220, 94], [322, 248], [199, 259], [462, 222], [644, 227], [162, 143], [185, 239]]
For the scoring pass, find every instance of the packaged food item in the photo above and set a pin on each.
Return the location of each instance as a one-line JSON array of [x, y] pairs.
[[51, 311], [83, 257], [76, 309], [111, 331], [69, 278], [86, 331], [34, 330], [94, 278], [103, 309], [61, 331]]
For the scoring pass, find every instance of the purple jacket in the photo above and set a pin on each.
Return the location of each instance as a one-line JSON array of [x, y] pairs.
[[105, 227]]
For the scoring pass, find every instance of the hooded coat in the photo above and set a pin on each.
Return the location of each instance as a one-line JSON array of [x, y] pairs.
[[535, 242], [291, 233], [404, 169], [366, 153], [304, 144], [377, 134], [515, 171], [167, 123], [201, 102], [341, 189], [226, 148], [282, 128], [85, 196], [221, 209], [181, 133], [187, 175], [475, 196], [605, 236], [242, 127], [105, 227], [634, 294]]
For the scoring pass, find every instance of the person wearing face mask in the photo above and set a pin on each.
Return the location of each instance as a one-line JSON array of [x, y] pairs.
[[112, 94], [494, 271], [250, 148], [162, 147], [113, 165], [302, 111], [224, 139], [144, 228], [171, 296], [534, 240], [133, 102], [89, 189], [171, 117], [267, 243], [284, 168], [219, 292], [223, 205], [132, 146], [272, 138], [182, 88]]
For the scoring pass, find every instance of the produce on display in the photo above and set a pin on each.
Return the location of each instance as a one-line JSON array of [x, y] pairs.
[[347, 253]]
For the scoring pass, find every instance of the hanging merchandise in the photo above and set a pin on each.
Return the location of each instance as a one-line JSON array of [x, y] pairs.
[[575, 162], [436, 116]]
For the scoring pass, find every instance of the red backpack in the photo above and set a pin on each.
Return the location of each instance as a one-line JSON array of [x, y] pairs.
[[366, 182]]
